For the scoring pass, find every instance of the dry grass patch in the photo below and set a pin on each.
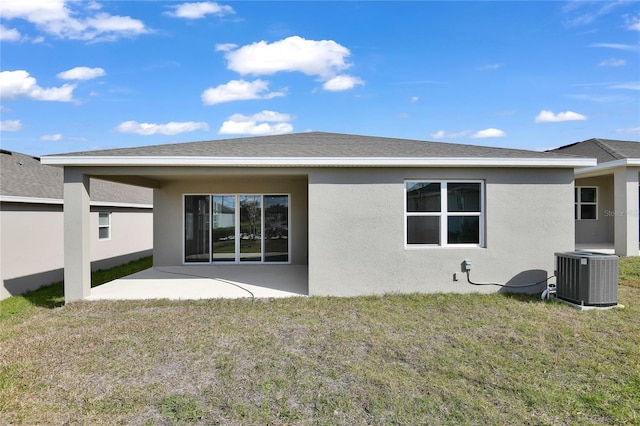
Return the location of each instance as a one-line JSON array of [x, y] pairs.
[[412, 359], [630, 271]]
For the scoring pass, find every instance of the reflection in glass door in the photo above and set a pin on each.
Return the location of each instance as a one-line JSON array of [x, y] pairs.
[[196, 228], [250, 228], [276, 228], [236, 228], [224, 228]]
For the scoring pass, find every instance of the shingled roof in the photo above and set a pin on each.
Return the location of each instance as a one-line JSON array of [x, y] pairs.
[[317, 145], [604, 150], [23, 176]]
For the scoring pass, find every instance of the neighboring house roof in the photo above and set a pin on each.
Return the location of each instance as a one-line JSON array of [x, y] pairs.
[[604, 150], [316, 149], [24, 179]]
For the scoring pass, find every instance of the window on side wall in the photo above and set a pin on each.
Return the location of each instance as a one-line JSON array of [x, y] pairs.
[[444, 213], [104, 225], [586, 203]]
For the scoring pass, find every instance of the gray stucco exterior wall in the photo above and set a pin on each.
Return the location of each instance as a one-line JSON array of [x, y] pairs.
[[357, 243], [32, 249], [348, 225], [600, 230]]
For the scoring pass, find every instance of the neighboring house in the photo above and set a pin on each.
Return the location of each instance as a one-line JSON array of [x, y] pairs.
[[606, 195], [31, 223], [368, 215]]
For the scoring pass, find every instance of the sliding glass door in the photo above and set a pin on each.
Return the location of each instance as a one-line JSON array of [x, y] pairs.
[[243, 228], [224, 228], [250, 228], [276, 228], [196, 228]]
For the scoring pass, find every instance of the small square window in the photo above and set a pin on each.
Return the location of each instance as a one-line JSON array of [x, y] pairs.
[[588, 195], [104, 225], [464, 230], [423, 230], [423, 197], [586, 203]]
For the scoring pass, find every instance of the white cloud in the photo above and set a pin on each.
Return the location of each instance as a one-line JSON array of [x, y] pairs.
[[630, 85], [579, 12], [489, 133], [633, 23], [342, 82], [323, 58], [257, 124], [414, 99], [171, 128], [261, 116], [629, 131], [199, 10], [592, 98], [618, 46], [9, 34], [81, 73], [17, 84], [238, 90], [549, 117], [54, 137], [225, 47], [10, 125], [489, 67], [444, 134], [613, 63], [72, 19], [230, 127]]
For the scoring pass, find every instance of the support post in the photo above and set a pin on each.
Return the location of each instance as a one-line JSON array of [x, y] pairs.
[[77, 230], [625, 183]]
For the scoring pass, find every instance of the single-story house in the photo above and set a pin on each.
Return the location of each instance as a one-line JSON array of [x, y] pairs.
[[606, 195], [119, 218], [366, 215]]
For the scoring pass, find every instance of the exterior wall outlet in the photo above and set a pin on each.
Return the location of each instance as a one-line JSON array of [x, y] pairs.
[[466, 265]]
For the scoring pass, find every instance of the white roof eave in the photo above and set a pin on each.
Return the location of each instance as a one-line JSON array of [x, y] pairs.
[[151, 161], [59, 201], [604, 168]]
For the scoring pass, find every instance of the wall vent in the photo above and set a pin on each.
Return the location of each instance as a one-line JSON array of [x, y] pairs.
[[587, 278]]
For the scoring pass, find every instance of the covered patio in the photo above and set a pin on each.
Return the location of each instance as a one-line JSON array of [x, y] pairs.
[[191, 282]]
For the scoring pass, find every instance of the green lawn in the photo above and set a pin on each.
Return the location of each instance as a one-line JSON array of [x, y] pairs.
[[630, 271], [396, 359], [53, 295]]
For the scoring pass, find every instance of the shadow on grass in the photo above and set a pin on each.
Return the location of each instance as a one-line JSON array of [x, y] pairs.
[[523, 297], [52, 296]]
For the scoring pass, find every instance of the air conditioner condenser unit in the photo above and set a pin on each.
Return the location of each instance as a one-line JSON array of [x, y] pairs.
[[587, 278]]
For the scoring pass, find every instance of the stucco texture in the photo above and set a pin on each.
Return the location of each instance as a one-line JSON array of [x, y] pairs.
[[32, 236], [356, 232], [348, 225]]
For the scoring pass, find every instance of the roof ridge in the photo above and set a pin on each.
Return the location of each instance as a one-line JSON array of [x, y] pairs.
[[608, 148]]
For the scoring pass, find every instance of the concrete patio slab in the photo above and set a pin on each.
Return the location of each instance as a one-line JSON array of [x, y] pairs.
[[207, 282]]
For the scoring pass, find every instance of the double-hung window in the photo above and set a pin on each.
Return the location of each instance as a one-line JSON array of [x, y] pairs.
[[104, 225], [586, 202], [444, 213]]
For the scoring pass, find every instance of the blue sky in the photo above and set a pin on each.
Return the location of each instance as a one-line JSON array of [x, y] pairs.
[[81, 75]]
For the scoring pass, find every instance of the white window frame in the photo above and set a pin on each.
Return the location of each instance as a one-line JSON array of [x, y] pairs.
[[444, 214], [578, 203], [107, 226], [237, 260]]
